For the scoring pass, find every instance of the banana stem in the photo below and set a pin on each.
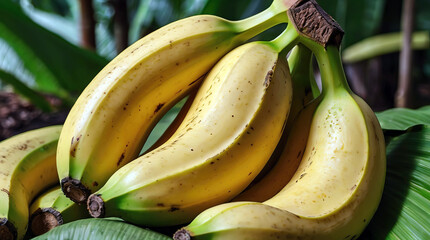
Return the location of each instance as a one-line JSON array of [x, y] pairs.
[[286, 40], [274, 15], [300, 62], [329, 61]]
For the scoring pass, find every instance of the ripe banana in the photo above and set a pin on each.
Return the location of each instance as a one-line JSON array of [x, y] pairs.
[[27, 166], [338, 184], [110, 121], [227, 136], [288, 153], [52, 209]]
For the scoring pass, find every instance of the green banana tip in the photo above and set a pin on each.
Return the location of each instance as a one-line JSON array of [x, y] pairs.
[[96, 206], [75, 190], [44, 220], [182, 234], [7, 230]]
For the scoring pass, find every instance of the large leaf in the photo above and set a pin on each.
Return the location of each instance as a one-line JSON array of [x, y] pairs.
[[102, 229], [403, 118], [404, 209], [10, 62], [66, 27], [57, 65]]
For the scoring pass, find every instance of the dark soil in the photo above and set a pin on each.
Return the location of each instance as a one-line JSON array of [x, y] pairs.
[[18, 115]]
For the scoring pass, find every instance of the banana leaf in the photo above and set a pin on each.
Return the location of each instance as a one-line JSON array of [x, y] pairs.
[[405, 205], [404, 209], [58, 66], [103, 229], [403, 118]]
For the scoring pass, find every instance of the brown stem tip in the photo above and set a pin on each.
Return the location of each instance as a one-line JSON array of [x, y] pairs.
[[75, 190], [182, 234], [44, 220], [7, 230], [313, 22], [96, 206]]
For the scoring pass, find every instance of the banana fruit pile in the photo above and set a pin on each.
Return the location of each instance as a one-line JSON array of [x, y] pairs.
[[259, 152]]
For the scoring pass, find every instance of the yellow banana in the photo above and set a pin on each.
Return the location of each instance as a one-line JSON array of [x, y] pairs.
[[338, 185], [227, 136], [52, 209], [110, 121], [27, 166], [288, 153]]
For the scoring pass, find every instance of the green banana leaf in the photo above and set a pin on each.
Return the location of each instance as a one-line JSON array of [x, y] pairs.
[[163, 124], [404, 209], [58, 66], [103, 229], [405, 204], [403, 118]]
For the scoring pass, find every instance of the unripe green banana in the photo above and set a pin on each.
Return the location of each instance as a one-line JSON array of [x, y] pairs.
[[110, 121], [27, 166], [227, 136], [52, 209], [338, 185]]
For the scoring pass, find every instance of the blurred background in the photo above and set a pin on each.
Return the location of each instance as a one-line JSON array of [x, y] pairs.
[[51, 49]]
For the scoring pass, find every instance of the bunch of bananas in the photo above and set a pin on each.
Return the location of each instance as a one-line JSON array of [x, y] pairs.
[[258, 152]]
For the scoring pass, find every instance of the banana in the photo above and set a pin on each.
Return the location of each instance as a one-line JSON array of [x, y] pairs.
[[288, 153], [113, 116], [27, 166], [52, 209], [337, 186], [227, 136]]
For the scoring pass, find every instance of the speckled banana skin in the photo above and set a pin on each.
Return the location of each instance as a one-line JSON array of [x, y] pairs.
[[113, 116], [27, 166], [337, 186]]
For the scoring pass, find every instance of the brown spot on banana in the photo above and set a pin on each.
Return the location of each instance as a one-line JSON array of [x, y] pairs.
[[300, 153], [174, 208], [5, 190], [269, 76], [121, 158], [22, 147], [158, 108]]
